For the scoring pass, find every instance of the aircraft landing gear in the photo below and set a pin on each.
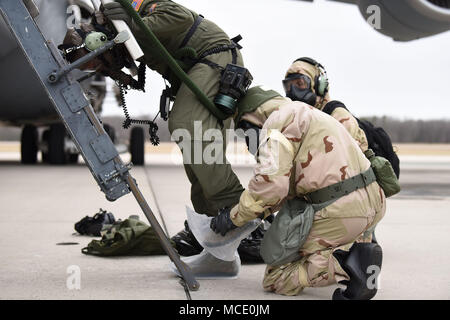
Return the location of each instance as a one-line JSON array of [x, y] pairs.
[[56, 137], [44, 145], [73, 158], [137, 139], [57, 149], [29, 145]]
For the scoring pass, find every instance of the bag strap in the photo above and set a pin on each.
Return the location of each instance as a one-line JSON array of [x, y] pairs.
[[233, 46], [333, 105], [341, 189], [191, 31]]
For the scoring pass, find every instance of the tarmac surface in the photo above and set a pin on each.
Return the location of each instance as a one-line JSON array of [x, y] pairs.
[[40, 204]]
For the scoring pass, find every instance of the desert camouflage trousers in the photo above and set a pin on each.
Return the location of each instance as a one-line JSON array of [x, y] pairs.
[[318, 267]]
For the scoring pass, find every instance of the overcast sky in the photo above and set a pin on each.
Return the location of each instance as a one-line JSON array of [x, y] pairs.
[[369, 72]]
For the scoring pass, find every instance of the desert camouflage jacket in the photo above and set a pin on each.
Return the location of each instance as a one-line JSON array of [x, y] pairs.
[[351, 124], [303, 150]]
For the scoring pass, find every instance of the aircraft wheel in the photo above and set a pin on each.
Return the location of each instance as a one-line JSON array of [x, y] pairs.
[[73, 158], [137, 139], [56, 153], [29, 144], [45, 139]]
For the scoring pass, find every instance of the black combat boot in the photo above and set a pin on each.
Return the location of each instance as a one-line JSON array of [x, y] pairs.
[[249, 247], [356, 263], [185, 242]]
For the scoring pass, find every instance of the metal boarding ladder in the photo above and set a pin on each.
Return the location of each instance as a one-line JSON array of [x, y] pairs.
[[79, 118]]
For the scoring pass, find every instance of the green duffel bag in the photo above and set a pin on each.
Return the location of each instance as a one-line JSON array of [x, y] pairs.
[[130, 237], [385, 174], [287, 233]]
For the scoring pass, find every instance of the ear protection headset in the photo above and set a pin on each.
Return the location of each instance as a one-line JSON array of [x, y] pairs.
[[91, 41], [321, 82]]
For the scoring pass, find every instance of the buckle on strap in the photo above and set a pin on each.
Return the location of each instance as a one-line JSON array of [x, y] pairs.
[[236, 40], [307, 198]]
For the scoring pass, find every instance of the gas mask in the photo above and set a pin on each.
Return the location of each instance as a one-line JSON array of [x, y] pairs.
[[234, 83], [298, 88]]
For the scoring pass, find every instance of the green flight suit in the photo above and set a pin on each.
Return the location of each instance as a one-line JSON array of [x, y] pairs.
[[214, 186]]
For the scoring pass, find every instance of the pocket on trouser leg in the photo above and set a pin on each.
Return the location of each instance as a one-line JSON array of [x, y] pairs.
[[318, 269]]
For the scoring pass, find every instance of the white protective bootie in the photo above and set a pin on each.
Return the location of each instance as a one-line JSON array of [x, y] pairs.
[[206, 266]]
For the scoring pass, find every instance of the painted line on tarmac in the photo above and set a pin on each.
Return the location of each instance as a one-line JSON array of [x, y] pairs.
[[155, 199]]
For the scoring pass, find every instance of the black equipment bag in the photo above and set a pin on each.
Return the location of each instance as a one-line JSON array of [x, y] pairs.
[[92, 226]]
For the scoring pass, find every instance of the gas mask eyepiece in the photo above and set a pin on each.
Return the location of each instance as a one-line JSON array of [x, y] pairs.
[[298, 88]]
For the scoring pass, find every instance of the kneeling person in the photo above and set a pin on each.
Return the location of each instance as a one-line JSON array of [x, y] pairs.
[[305, 150]]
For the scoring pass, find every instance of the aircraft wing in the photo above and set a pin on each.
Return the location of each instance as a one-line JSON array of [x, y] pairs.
[[404, 20], [345, 1]]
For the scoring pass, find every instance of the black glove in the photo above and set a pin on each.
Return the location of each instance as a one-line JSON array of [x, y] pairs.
[[115, 11], [222, 223]]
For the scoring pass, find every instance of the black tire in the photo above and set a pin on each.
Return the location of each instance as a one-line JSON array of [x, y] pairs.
[[111, 132], [73, 158], [29, 145], [137, 151], [56, 153], [45, 139]]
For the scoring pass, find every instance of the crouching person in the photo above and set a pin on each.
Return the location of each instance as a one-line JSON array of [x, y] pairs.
[[313, 172]]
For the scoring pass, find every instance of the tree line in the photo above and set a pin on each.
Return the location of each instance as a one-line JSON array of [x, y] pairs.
[[414, 131], [400, 131]]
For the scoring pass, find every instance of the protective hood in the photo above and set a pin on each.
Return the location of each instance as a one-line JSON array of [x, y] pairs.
[[258, 104], [305, 68], [301, 67]]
